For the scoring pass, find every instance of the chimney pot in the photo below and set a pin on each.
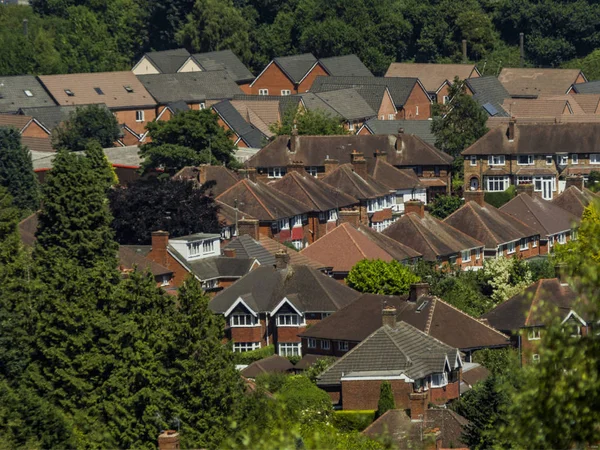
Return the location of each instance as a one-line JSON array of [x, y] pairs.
[[282, 258], [475, 196], [380, 155], [418, 406], [359, 164], [388, 316], [351, 217], [330, 165], [414, 206], [575, 181], [418, 290], [249, 173], [296, 166], [168, 440], [229, 252]]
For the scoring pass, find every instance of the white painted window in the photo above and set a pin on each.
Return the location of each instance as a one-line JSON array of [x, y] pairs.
[[288, 320], [533, 334], [551, 241], [525, 160], [210, 284], [595, 158], [312, 343], [139, 116], [263, 92], [573, 235], [549, 160], [563, 160], [276, 172], [286, 92], [439, 379], [242, 320], [298, 244], [477, 254], [290, 349], [245, 346], [497, 184], [283, 224], [28, 93], [351, 126], [371, 205], [165, 280], [561, 238], [496, 160], [574, 158], [535, 242], [416, 110], [325, 345], [524, 244], [510, 247], [535, 358], [296, 221], [473, 160], [391, 116], [194, 249], [445, 99], [208, 247], [312, 170], [465, 255], [343, 346], [202, 105], [524, 180], [332, 215]]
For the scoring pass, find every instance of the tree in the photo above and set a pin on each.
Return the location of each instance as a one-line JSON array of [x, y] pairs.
[[16, 172], [507, 277], [379, 277], [189, 138], [386, 399], [308, 122], [176, 206], [593, 181], [100, 165], [85, 124], [444, 205], [459, 122], [304, 400]]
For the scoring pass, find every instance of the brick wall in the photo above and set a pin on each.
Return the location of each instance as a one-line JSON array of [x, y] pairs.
[[34, 130], [364, 394], [318, 70], [417, 100], [274, 80], [442, 395], [128, 118], [385, 109]]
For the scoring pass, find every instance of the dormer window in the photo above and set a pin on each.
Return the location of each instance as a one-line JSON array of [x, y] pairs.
[[288, 320], [28, 93], [201, 248], [69, 92]]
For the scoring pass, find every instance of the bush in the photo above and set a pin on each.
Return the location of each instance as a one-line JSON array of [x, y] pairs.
[[498, 199], [271, 382], [444, 205], [541, 268], [304, 400], [353, 420], [253, 355]]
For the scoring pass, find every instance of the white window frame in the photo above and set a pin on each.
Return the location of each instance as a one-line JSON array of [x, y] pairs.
[[139, 115], [563, 160], [240, 347], [194, 249], [210, 284], [296, 221], [535, 358], [342, 346], [477, 254], [332, 215], [511, 248], [208, 247], [492, 181], [290, 349], [391, 116], [524, 180], [275, 172], [298, 244], [497, 160], [283, 224], [311, 343], [466, 253], [561, 238], [294, 320], [535, 242], [416, 110], [263, 92], [202, 105], [549, 160], [439, 380], [574, 158], [350, 125], [473, 160], [312, 170], [242, 321], [445, 99], [534, 334], [529, 160], [28, 93], [325, 344], [285, 92], [594, 158], [165, 280], [524, 244]]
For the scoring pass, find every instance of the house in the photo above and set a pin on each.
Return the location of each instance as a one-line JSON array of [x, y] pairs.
[[219, 177], [542, 154], [588, 87], [574, 199], [225, 60], [273, 304], [121, 92], [230, 218], [134, 257], [410, 98], [244, 134], [264, 111], [555, 106], [49, 117], [524, 315], [489, 93], [26, 125], [345, 246], [346, 65], [23, 91], [420, 128], [418, 367], [351, 325], [502, 234], [437, 241], [536, 82], [270, 364], [436, 78], [554, 224]]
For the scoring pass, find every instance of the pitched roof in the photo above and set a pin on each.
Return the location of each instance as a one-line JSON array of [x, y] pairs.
[[13, 93], [270, 364], [262, 201], [397, 250], [587, 102], [541, 215], [261, 114], [429, 314], [489, 91], [345, 246], [131, 256], [115, 89], [296, 258], [168, 61], [49, 116], [14, 120], [400, 350], [285, 102], [431, 75], [296, 66], [541, 107], [348, 65], [222, 177], [420, 128], [246, 247], [313, 192], [373, 95], [488, 224], [216, 266], [190, 86], [525, 309], [430, 236], [573, 200], [591, 87], [345, 103], [474, 373], [400, 88], [537, 81], [265, 287], [228, 215], [247, 132], [392, 177], [224, 60], [345, 179]]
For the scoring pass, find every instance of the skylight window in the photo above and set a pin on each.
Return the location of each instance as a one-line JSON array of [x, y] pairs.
[[98, 91], [69, 92], [28, 93], [129, 89]]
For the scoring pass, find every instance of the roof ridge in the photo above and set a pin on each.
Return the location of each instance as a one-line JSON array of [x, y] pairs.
[[483, 224], [355, 243], [385, 330], [294, 177], [533, 212], [320, 282], [259, 200], [431, 245], [471, 317], [430, 316]]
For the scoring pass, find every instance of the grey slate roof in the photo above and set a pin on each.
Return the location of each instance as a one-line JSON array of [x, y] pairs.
[[296, 66], [216, 266], [347, 65], [489, 90], [421, 128], [400, 350], [400, 88], [13, 97], [345, 103], [246, 247], [168, 61], [251, 135], [285, 101], [224, 60], [50, 116], [119, 156], [591, 87], [190, 86]]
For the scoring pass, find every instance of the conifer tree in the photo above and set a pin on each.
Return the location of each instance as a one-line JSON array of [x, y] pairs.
[[386, 399], [100, 164]]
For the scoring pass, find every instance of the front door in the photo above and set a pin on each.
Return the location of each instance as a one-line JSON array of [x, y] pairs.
[[474, 184], [547, 188]]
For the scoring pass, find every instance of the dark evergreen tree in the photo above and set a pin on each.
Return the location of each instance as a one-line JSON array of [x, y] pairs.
[[87, 123], [100, 164], [386, 399], [16, 171]]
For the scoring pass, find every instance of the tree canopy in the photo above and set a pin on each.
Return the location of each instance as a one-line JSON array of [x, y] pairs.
[[308, 122], [85, 124], [380, 277]]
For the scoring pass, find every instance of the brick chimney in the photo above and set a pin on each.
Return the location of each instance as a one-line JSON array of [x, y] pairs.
[[388, 316], [380, 155], [282, 258], [229, 252], [560, 271], [294, 140], [359, 164], [418, 406], [475, 196], [160, 240], [351, 217], [248, 173], [575, 181], [330, 165], [249, 227], [399, 137], [296, 166], [511, 128], [525, 189], [202, 173], [417, 290], [414, 206], [168, 440]]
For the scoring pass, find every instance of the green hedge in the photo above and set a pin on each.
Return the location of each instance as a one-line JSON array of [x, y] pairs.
[[348, 421], [498, 199], [253, 355]]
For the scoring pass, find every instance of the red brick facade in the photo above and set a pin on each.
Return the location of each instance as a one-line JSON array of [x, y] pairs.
[[364, 394], [417, 106], [274, 81]]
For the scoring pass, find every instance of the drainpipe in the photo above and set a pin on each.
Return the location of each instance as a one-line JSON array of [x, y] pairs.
[[267, 327]]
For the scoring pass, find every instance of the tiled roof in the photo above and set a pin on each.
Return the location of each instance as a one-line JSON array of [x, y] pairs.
[[49, 116], [14, 120], [224, 60], [285, 102], [591, 87], [541, 107], [296, 258], [115, 89], [190, 86], [400, 350], [271, 364], [474, 374], [489, 90], [397, 250], [431, 75], [168, 61], [573, 200], [420, 128], [131, 256], [227, 214], [392, 177], [345, 179], [13, 96], [345, 103], [538, 81], [265, 287], [261, 114], [313, 192], [373, 95], [488, 224], [541, 215], [296, 66], [251, 135], [222, 177], [246, 247], [347, 65], [215, 266], [587, 102], [429, 236], [42, 154]]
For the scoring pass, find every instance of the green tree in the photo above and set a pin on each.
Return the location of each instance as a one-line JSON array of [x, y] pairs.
[[593, 181], [188, 139], [86, 124], [506, 277], [386, 399], [304, 400], [444, 205], [379, 277], [308, 122], [100, 164], [16, 171]]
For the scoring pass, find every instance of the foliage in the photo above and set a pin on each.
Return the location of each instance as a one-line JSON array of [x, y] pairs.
[[459, 122], [593, 182], [100, 164], [87, 123], [348, 420], [253, 355], [589, 65], [585, 244], [318, 367], [386, 399], [444, 205], [499, 361], [311, 122], [271, 382], [497, 199], [304, 400], [541, 268], [16, 171], [380, 277], [507, 277], [153, 204], [466, 291], [190, 138]]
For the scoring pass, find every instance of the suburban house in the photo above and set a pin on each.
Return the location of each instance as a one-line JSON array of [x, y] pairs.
[[574, 199], [420, 128], [243, 133], [219, 177], [271, 305], [295, 74], [348, 244], [23, 91], [489, 93], [270, 364], [49, 117], [26, 125], [437, 241], [134, 257], [420, 368], [410, 98], [542, 154], [536, 82], [436, 78], [502, 234], [552, 223], [121, 92], [524, 315]]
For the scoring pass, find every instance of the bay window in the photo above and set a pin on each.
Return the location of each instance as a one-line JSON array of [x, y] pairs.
[[439, 379], [465, 255], [497, 184], [510, 248], [298, 244], [245, 346]]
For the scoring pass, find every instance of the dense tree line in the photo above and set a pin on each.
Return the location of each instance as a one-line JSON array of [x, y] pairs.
[[117, 32]]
